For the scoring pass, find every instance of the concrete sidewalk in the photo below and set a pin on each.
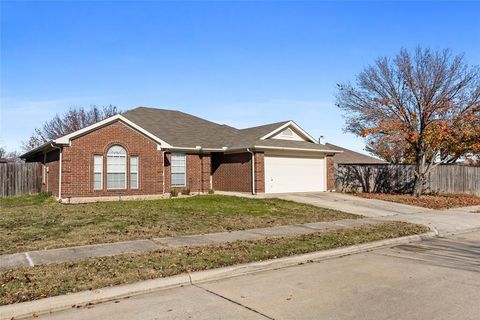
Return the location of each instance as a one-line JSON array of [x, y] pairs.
[[32, 258], [437, 279]]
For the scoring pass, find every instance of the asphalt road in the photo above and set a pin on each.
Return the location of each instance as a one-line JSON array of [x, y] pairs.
[[434, 279]]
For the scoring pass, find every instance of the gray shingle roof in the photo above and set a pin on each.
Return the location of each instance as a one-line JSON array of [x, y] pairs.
[[352, 157], [181, 129], [184, 130]]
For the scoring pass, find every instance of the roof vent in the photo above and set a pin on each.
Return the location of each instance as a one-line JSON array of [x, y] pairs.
[[321, 140]]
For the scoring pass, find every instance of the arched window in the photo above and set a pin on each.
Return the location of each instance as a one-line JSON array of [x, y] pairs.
[[116, 168]]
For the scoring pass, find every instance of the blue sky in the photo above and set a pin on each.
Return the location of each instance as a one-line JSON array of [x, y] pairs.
[[239, 63]]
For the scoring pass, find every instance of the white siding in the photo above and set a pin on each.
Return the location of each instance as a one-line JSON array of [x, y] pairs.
[[288, 134]]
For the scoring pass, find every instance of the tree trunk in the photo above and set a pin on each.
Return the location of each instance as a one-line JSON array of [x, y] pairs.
[[420, 174]]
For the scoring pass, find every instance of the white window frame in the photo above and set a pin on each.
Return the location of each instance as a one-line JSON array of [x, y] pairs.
[[98, 156], [136, 172], [184, 156], [124, 171]]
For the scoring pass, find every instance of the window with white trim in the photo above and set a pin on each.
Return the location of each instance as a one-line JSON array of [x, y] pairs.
[[134, 172], [116, 168], [97, 172], [178, 166]]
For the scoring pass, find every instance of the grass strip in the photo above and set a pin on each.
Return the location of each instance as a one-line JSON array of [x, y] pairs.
[[25, 284], [37, 222]]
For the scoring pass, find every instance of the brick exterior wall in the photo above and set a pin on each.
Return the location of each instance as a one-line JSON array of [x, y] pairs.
[[77, 162], [198, 173], [223, 172], [259, 172], [232, 172], [330, 173]]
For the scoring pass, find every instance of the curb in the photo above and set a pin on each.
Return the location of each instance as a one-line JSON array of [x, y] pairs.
[[75, 300]]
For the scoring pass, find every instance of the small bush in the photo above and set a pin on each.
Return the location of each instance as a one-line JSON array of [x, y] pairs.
[[211, 191], [186, 191], [173, 193]]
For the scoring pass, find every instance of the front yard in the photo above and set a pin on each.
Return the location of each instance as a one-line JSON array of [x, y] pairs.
[[25, 284], [38, 222], [440, 201]]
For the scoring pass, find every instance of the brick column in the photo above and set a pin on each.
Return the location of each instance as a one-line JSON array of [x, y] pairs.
[[259, 172], [330, 173], [167, 159], [206, 171]]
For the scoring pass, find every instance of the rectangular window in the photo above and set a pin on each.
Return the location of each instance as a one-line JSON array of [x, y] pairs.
[[97, 172], [134, 172], [178, 170]]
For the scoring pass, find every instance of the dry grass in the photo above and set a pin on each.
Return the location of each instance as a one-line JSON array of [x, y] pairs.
[[37, 222], [25, 284], [441, 201]]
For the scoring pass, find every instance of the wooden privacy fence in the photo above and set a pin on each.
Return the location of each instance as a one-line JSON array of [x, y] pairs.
[[20, 178], [391, 178]]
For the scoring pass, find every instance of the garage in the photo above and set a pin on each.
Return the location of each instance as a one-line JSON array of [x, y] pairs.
[[294, 174]]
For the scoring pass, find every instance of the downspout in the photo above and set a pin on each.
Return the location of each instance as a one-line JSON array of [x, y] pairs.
[[163, 171], [59, 172], [253, 170]]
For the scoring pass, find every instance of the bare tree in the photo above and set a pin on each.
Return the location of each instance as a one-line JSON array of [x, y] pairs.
[[72, 120], [12, 156], [421, 108]]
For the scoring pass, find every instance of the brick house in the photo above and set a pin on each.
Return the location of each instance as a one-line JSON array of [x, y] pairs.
[[147, 152]]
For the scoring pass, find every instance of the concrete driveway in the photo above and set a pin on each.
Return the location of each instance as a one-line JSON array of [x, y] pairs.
[[349, 203], [444, 221], [435, 279]]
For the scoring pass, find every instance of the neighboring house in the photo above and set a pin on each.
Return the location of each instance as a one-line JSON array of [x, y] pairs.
[[149, 151], [352, 157]]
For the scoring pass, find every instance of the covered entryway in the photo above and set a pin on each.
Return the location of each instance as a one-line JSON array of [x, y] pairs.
[[294, 173]]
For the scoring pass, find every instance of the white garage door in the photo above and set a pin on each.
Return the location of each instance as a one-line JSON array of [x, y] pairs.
[[294, 174]]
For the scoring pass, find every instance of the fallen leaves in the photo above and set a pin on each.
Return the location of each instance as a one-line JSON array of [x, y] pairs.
[[441, 201]]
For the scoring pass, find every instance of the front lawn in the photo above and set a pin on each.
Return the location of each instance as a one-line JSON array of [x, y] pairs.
[[38, 222], [440, 201], [25, 284]]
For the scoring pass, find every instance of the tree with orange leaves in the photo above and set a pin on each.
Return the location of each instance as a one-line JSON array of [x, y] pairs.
[[419, 108]]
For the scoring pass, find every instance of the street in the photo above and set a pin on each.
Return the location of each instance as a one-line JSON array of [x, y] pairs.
[[433, 279]]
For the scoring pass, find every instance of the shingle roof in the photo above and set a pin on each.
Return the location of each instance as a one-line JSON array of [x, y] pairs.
[[352, 157], [180, 129]]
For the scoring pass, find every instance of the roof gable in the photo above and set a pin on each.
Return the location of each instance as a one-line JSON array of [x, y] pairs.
[[297, 131]]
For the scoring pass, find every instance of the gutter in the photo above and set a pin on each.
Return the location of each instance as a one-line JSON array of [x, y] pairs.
[[253, 170], [197, 148], [298, 149], [37, 149]]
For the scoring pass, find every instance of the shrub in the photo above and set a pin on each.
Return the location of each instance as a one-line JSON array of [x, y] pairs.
[[173, 193], [211, 191], [186, 191]]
